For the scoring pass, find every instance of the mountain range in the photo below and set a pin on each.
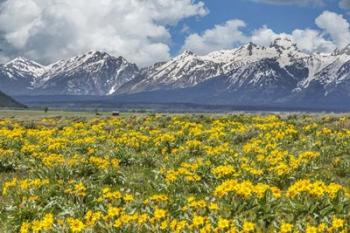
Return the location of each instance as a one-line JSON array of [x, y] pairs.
[[279, 74]]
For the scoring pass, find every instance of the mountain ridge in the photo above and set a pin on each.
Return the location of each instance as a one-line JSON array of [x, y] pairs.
[[8, 102], [252, 73]]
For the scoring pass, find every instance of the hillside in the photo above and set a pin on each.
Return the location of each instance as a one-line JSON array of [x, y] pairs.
[[280, 74], [6, 101]]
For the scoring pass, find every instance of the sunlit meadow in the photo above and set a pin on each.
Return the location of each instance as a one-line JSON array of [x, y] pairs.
[[176, 173]]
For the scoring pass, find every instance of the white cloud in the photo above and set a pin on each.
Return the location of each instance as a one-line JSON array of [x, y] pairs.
[[312, 41], [264, 36], [3, 59], [306, 39], [185, 29], [50, 29], [223, 36], [333, 33], [336, 26]]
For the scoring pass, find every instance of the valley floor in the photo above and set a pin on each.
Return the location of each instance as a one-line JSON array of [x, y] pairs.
[[64, 171]]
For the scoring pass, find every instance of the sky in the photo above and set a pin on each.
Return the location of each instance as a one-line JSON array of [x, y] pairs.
[[149, 31]]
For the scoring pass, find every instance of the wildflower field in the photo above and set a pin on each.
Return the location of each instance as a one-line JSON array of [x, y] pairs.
[[177, 173]]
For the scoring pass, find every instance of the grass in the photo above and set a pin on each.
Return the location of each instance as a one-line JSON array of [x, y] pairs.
[[31, 114], [142, 168]]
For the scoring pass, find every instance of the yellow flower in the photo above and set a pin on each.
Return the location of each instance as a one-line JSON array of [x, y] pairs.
[[322, 227], [53, 160], [36, 226], [117, 223], [213, 206], [164, 225], [112, 212], [8, 185], [222, 171], [197, 220], [128, 198], [233, 229], [223, 223], [142, 218], [47, 222], [286, 228], [76, 225], [159, 214], [311, 229], [337, 223], [24, 227], [91, 218], [248, 227]]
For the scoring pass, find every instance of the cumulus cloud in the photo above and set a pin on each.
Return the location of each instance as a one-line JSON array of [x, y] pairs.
[[50, 29], [264, 36], [223, 36], [336, 26], [333, 33], [306, 39], [312, 41]]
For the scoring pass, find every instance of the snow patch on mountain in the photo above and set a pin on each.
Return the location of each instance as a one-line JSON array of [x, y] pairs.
[[25, 66], [280, 67]]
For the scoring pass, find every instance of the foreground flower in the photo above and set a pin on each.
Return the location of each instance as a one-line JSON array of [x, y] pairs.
[[75, 225]]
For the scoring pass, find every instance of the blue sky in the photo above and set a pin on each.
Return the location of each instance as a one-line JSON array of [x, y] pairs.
[[148, 31], [280, 18]]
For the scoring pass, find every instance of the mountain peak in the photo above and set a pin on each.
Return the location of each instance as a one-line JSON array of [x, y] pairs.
[[20, 61], [25, 66], [250, 47], [93, 55], [187, 53], [284, 43], [280, 65], [251, 44], [97, 53], [345, 50]]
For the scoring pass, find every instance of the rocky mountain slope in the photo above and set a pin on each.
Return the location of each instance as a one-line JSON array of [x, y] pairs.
[[93, 73], [8, 102], [19, 76], [279, 73]]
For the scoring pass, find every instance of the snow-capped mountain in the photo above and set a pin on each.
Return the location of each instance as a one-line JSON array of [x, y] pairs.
[[19, 76], [185, 70], [25, 67], [251, 73], [248, 72], [94, 73]]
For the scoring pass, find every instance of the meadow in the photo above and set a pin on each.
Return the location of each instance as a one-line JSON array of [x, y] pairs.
[[237, 173]]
